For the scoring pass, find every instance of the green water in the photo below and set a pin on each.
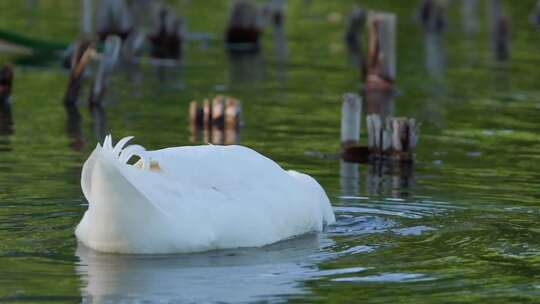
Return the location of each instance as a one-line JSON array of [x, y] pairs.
[[460, 226]]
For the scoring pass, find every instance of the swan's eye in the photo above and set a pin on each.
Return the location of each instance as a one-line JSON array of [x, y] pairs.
[[135, 160]]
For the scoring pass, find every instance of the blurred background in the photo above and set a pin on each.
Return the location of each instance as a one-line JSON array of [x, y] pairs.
[[458, 225]]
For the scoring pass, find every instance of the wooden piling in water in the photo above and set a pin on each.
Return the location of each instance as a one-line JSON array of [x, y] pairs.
[[243, 31], [219, 120], [381, 62], [351, 109], [108, 61], [432, 15], [469, 15], [167, 40], [353, 38], [534, 18], [392, 138], [81, 57], [222, 112], [499, 25], [6, 82]]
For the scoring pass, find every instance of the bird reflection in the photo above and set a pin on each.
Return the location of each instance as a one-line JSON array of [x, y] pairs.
[[240, 275]]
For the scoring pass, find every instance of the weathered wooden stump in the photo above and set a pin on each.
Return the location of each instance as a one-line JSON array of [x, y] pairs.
[[108, 61], [80, 58], [499, 25], [392, 138], [353, 38], [350, 120], [432, 15], [6, 83], [351, 109], [534, 18], [113, 18], [218, 120], [222, 113], [469, 16], [243, 30], [168, 39], [381, 63]]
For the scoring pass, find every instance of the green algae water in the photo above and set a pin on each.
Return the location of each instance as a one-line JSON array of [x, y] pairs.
[[461, 225]]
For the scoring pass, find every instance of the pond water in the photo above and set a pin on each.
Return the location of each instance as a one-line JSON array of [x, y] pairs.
[[461, 225]]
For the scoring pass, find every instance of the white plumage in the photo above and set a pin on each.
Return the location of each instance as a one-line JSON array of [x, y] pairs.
[[189, 199]]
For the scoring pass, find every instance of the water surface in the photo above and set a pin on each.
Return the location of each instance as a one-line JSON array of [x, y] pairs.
[[461, 225]]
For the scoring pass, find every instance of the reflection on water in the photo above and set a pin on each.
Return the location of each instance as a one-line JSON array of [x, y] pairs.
[[349, 174], [461, 225], [392, 180], [249, 274], [214, 135], [74, 128], [6, 120], [99, 122], [245, 67], [380, 179], [232, 275], [434, 55]]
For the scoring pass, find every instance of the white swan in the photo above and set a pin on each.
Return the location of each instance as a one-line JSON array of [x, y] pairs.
[[189, 199]]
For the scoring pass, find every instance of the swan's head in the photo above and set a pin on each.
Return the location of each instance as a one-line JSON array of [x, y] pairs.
[[118, 156], [118, 196]]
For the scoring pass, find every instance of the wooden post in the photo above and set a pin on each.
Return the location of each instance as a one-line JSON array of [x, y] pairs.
[[243, 30], [432, 14], [167, 40], [353, 39], [350, 119], [381, 65], [355, 26], [534, 18], [219, 120], [87, 13], [499, 30], [469, 15], [81, 57], [6, 83], [107, 63], [392, 138], [113, 17]]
